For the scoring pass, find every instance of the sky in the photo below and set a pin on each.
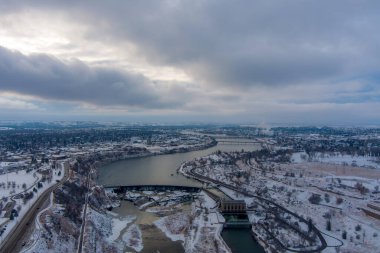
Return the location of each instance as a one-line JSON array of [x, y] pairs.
[[293, 61]]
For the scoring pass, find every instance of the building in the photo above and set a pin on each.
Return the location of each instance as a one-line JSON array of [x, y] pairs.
[[233, 206]]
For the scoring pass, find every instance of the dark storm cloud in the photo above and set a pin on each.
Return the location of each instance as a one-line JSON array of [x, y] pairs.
[[244, 43], [234, 43], [47, 77]]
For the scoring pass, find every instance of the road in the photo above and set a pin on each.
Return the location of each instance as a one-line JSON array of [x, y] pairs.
[[207, 179], [80, 244], [17, 232], [83, 227]]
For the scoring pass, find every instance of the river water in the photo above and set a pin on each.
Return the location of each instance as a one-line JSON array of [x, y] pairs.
[[162, 170]]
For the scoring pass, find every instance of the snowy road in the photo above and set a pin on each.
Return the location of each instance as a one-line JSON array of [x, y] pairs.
[[17, 233]]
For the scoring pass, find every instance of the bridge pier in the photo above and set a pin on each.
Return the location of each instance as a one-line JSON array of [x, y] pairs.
[[125, 188]]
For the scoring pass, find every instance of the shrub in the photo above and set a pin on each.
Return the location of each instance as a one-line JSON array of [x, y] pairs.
[[315, 199], [328, 225]]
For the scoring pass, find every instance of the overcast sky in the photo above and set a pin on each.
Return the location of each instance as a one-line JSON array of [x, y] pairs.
[[300, 61]]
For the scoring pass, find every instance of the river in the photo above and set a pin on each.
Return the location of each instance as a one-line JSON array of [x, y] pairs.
[[158, 170], [162, 170]]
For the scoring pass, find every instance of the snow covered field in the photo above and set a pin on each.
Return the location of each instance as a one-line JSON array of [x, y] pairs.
[[207, 225], [58, 243], [337, 158], [133, 238], [174, 226], [329, 190], [118, 224], [21, 205], [15, 182]]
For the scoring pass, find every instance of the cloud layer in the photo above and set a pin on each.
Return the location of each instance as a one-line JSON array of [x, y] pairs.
[[237, 58], [49, 78], [246, 44]]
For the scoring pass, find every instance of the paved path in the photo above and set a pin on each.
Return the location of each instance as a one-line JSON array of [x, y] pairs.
[[318, 233], [18, 231], [83, 227]]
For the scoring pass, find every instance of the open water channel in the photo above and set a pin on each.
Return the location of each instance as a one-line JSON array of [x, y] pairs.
[[161, 170]]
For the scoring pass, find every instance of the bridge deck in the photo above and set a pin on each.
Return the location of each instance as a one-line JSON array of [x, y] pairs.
[[153, 187]]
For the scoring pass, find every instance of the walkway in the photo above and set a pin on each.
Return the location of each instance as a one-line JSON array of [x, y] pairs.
[[317, 232]]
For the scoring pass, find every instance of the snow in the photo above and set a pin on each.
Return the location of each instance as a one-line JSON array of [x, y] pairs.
[[361, 161], [208, 202], [130, 195], [147, 204], [325, 175], [215, 157], [337, 158], [26, 206], [56, 244], [303, 196], [118, 225], [59, 246], [174, 226], [206, 226], [3, 221], [213, 218], [100, 221], [38, 227], [19, 178], [299, 157], [133, 238], [11, 164], [351, 181], [198, 228]]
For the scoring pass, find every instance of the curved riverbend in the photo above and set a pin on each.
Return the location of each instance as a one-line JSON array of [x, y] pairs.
[[162, 170], [159, 169]]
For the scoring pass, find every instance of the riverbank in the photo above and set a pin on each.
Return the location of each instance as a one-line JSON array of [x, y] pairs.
[[162, 170], [236, 239], [111, 157]]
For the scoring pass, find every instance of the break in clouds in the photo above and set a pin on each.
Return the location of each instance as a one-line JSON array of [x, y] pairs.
[[225, 48]]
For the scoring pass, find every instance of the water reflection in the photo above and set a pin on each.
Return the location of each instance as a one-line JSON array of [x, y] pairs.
[[154, 240], [160, 169], [241, 241]]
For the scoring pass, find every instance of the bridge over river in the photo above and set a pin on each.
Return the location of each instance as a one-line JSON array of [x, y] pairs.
[[238, 142], [159, 173], [193, 189], [124, 188], [232, 219]]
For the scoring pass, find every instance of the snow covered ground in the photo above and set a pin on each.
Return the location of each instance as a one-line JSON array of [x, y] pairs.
[[38, 228], [58, 242], [206, 227], [343, 183], [118, 224], [174, 226], [18, 181], [337, 158], [57, 174], [133, 238]]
